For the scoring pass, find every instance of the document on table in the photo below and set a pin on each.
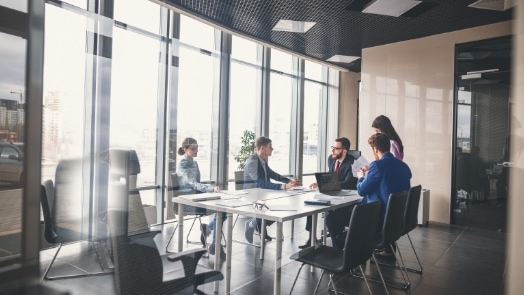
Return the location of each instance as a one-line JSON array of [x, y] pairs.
[[301, 189], [280, 207], [234, 193], [233, 203], [201, 197], [327, 197], [357, 164]]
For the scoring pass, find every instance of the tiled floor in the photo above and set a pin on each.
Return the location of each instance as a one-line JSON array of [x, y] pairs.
[[457, 261]]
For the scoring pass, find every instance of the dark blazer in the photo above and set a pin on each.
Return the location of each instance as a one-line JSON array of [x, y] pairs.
[[385, 176], [345, 173], [256, 176]]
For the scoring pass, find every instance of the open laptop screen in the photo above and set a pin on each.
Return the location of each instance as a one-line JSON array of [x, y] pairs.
[[327, 181]]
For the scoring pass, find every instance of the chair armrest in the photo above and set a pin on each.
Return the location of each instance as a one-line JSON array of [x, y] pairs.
[[189, 259], [193, 253]]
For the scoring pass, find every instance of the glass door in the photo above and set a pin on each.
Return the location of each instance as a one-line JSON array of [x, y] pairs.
[[482, 126]]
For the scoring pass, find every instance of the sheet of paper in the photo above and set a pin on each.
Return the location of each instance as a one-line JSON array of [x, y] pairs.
[[233, 203], [327, 197], [234, 193], [301, 189], [359, 163], [280, 207]]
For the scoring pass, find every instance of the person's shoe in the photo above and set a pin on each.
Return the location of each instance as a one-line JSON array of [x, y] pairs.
[[385, 255], [211, 250], [249, 231], [204, 234], [306, 245], [267, 237]]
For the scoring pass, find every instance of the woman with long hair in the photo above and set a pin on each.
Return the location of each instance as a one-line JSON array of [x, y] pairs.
[[382, 124]]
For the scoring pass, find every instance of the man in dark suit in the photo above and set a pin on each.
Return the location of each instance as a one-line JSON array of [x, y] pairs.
[[384, 176], [258, 174], [340, 162]]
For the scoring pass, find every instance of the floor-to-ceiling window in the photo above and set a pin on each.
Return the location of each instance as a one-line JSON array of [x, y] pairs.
[[197, 89], [314, 91], [245, 79], [280, 112], [12, 122]]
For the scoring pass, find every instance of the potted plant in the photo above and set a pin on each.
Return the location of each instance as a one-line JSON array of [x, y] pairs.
[[246, 150]]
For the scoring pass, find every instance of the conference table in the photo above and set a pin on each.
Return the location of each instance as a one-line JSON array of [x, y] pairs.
[[280, 206]]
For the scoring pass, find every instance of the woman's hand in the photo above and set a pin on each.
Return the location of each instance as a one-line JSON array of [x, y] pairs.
[[216, 189]]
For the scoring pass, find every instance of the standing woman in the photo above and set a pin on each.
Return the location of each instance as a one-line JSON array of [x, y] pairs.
[[189, 177], [382, 124]]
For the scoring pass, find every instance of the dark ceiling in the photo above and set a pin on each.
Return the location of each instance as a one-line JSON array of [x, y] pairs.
[[341, 28]]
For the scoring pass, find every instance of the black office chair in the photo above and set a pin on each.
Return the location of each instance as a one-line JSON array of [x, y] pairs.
[[139, 268], [392, 230], [54, 233], [354, 153], [175, 191], [411, 222], [358, 247], [411, 219]]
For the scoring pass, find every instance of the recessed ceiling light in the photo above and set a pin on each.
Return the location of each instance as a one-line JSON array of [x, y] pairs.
[[293, 26], [343, 58], [390, 7]]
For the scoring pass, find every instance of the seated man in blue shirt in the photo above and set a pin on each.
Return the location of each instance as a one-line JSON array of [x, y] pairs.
[[258, 174], [384, 176]]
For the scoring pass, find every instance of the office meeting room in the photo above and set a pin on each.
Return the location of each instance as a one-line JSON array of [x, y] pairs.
[[261, 147]]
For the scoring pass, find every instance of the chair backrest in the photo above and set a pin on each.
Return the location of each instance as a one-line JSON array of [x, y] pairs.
[[393, 226], [359, 242], [47, 197], [138, 266], [239, 180], [411, 214], [70, 208], [354, 153], [174, 190]]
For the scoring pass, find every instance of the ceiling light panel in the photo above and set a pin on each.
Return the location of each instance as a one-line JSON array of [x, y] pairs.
[[343, 58], [293, 26], [390, 7]]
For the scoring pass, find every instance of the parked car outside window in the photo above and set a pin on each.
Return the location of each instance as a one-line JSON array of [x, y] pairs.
[[12, 162]]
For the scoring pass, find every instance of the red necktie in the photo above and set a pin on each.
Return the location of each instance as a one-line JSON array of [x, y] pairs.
[[337, 167]]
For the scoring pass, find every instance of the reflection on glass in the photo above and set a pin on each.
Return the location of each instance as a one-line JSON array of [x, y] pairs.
[[134, 83], [12, 121]]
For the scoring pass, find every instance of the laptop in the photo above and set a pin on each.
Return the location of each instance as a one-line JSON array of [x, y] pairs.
[[329, 184], [200, 197]]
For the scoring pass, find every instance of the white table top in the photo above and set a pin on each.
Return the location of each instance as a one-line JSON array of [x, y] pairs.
[[292, 199]]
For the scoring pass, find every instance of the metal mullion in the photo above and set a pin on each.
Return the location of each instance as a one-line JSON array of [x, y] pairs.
[[297, 119], [263, 103]]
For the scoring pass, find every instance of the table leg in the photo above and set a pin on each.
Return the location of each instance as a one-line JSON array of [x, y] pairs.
[[262, 239], [292, 229], [313, 233], [218, 236], [229, 243], [180, 227], [278, 260], [324, 238]]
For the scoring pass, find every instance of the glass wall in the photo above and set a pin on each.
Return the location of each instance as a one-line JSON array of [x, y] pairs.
[[115, 79], [246, 70], [12, 110]]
